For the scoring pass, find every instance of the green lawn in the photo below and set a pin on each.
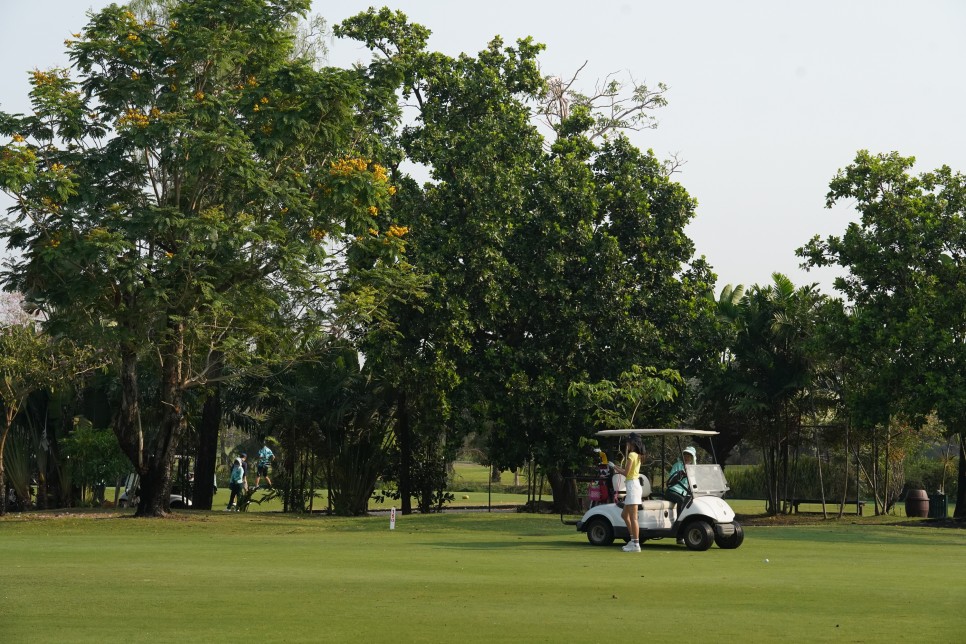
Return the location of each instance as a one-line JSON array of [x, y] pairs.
[[472, 499], [100, 577]]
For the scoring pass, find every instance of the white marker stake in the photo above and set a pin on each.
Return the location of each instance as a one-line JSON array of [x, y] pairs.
[[392, 519]]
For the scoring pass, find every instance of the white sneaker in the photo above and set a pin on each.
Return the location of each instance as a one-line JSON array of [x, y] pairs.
[[632, 546]]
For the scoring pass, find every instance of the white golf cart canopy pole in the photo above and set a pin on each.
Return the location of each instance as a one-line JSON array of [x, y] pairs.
[[656, 432]]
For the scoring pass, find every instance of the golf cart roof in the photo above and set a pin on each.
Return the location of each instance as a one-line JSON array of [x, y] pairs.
[[656, 432]]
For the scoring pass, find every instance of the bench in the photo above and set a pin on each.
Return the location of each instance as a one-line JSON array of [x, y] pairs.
[[828, 504]]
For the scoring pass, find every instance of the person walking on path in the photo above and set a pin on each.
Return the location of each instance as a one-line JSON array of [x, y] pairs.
[[265, 457], [238, 484], [633, 490]]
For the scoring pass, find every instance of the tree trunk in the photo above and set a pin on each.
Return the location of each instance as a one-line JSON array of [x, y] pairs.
[[156, 478], [960, 512], [127, 423], [203, 492], [153, 490], [564, 490], [405, 457], [11, 413]]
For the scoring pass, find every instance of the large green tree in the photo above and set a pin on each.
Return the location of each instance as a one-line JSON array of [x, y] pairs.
[[550, 262], [906, 282], [190, 193]]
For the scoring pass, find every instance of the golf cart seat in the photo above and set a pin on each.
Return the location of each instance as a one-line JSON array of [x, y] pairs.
[[647, 504], [657, 504]]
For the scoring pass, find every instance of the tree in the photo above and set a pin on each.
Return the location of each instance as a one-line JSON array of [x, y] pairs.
[[546, 268], [906, 282], [190, 194], [712, 394], [770, 373], [31, 361]]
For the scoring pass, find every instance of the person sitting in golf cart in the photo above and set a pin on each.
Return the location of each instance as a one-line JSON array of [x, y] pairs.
[[677, 483]]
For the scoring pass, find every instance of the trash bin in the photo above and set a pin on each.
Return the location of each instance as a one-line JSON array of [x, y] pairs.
[[937, 506]]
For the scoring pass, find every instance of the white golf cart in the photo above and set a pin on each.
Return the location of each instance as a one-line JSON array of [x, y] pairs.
[[699, 520], [181, 488]]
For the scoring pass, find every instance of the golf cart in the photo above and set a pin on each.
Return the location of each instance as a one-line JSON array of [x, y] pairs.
[[701, 519], [181, 487]]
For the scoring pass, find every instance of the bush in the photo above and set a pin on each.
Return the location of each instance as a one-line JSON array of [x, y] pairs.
[[927, 473], [748, 482]]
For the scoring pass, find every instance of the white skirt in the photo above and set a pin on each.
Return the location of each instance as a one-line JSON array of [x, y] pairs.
[[633, 494]]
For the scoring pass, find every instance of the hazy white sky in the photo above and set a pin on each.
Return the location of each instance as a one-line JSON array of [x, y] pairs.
[[767, 99]]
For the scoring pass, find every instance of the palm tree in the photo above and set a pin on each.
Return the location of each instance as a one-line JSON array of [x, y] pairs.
[[772, 370]]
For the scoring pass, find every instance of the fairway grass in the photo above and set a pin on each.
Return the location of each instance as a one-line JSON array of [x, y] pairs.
[[264, 577]]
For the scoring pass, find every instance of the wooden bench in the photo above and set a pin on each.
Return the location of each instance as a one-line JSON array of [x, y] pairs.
[[830, 505]]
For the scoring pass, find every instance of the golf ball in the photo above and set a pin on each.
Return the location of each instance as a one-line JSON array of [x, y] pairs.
[[766, 561]]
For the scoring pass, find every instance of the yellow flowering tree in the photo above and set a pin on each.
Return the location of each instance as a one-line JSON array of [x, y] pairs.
[[191, 194]]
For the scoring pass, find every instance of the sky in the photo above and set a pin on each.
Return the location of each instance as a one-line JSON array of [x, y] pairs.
[[767, 100]]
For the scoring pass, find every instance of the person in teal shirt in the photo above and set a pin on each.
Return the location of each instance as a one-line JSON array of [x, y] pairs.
[[678, 490], [238, 483], [265, 457]]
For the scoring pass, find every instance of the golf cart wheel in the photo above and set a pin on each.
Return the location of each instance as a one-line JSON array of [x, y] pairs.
[[733, 540], [698, 535], [600, 532]]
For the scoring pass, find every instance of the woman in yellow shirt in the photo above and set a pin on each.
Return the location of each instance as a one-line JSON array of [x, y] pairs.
[[633, 491]]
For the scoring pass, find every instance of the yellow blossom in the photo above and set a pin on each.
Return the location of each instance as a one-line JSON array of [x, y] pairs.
[[135, 76], [133, 117], [373, 232], [44, 78], [373, 210], [317, 234], [132, 37], [256, 108], [252, 81], [397, 231], [264, 100], [17, 138], [199, 96], [392, 190], [347, 166]]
